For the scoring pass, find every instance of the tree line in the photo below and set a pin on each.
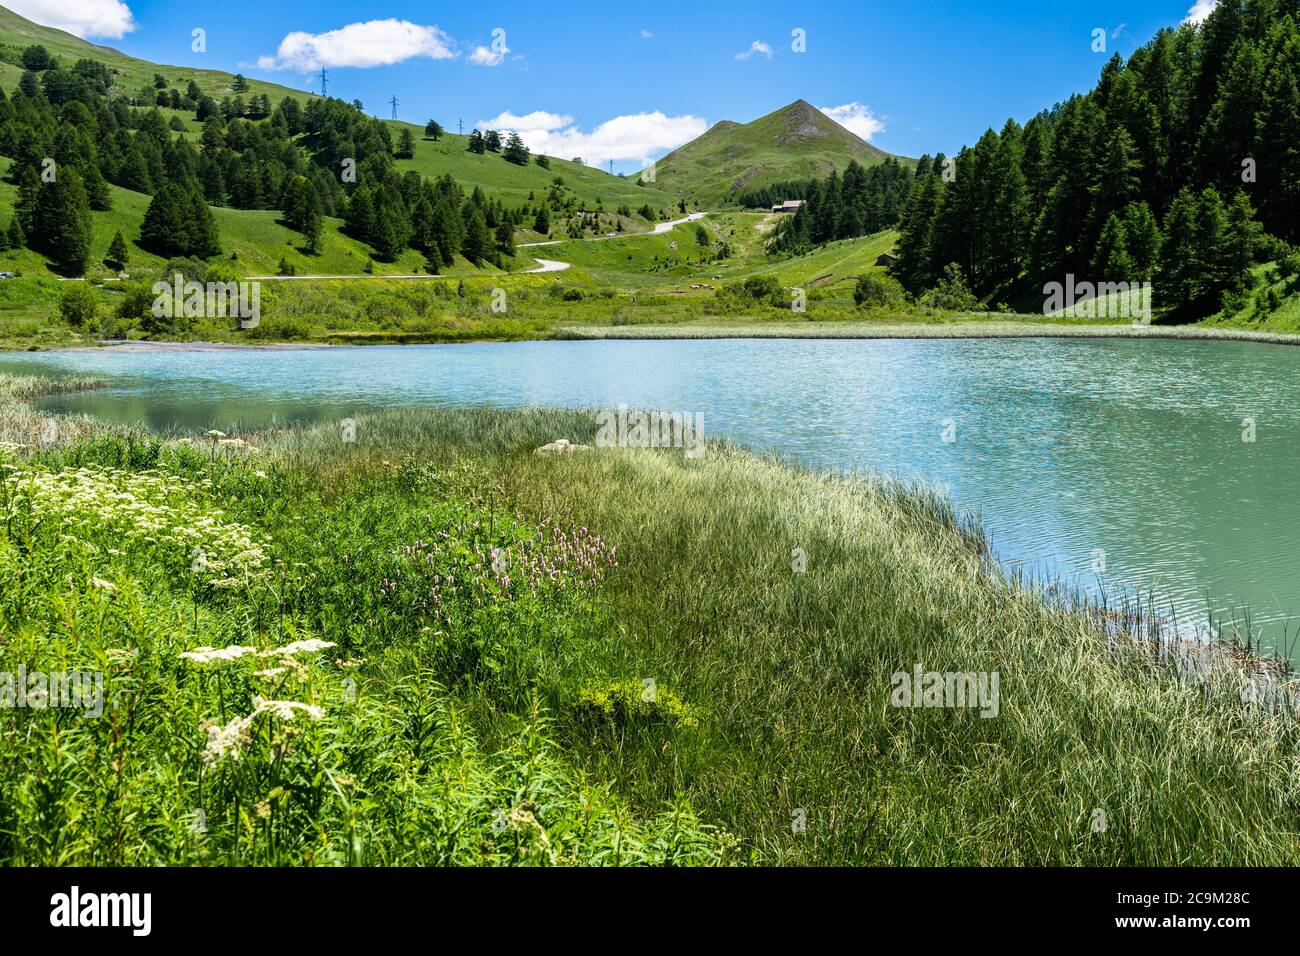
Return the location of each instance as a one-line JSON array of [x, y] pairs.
[[1180, 167], [70, 137]]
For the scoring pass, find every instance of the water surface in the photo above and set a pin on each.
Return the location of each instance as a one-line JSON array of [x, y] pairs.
[[1066, 448]]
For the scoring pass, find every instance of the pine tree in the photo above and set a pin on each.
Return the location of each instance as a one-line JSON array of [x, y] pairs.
[[1111, 261], [117, 251], [1142, 240], [405, 145], [542, 224], [61, 223], [476, 144], [506, 239], [1240, 241], [515, 151], [433, 130], [1178, 269], [477, 243], [15, 235]]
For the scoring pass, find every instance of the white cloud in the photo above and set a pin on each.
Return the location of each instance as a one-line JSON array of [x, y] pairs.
[[646, 35], [84, 18], [639, 136], [1200, 10], [757, 47], [482, 56], [856, 118], [372, 43]]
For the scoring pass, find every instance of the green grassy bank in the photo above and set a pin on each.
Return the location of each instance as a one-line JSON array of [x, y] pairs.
[[430, 645]]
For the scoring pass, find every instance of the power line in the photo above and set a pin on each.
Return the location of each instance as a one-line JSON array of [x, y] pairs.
[[322, 81], [393, 102]]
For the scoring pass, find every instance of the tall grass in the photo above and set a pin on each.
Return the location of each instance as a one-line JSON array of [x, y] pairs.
[[1103, 751], [609, 656]]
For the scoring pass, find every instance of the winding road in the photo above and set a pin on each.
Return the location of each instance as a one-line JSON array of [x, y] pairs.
[[543, 265]]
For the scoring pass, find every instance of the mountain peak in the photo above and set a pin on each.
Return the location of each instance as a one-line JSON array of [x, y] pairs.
[[798, 141]]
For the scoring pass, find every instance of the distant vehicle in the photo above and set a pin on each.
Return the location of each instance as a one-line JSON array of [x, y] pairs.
[[610, 235], [7, 275]]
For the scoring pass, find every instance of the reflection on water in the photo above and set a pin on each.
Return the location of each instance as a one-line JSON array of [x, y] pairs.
[[1066, 448]]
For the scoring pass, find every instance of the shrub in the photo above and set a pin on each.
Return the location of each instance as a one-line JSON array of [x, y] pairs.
[[877, 289], [78, 305], [951, 293]]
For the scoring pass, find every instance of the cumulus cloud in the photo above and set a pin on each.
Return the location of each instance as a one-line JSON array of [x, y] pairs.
[[83, 18], [1200, 10], [482, 56], [856, 118], [372, 43], [638, 136], [759, 48]]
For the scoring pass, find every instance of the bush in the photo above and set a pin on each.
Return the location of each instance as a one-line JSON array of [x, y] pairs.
[[78, 305], [137, 300], [951, 293], [877, 289], [190, 269]]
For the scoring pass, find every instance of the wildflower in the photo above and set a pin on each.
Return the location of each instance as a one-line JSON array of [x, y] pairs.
[[310, 646], [207, 655], [286, 709], [226, 740], [101, 583]]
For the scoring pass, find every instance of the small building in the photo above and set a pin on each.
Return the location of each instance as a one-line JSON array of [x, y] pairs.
[[886, 260], [789, 205]]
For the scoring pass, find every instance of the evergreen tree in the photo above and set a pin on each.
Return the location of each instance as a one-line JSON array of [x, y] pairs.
[[433, 130], [515, 151], [405, 145], [1111, 261], [477, 242], [61, 223], [506, 239], [117, 251], [1142, 240], [476, 143], [542, 224], [1178, 269]]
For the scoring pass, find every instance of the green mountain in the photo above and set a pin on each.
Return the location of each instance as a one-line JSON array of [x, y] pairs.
[[796, 142]]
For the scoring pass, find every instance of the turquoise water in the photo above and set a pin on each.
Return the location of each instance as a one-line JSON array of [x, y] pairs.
[[1065, 448]]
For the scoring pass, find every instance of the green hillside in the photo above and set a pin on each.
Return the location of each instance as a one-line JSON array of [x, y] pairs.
[[798, 141], [130, 74], [258, 240], [512, 183]]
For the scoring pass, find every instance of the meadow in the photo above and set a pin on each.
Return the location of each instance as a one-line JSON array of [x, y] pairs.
[[420, 642]]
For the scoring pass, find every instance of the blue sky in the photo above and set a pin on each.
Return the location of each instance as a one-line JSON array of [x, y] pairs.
[[628, 81]]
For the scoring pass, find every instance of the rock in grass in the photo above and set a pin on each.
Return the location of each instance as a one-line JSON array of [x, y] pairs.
[[561, 446]]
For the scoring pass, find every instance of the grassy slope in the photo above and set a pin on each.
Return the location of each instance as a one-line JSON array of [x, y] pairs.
[[131, 73], [513, 183], [255, 235], [795, 142]]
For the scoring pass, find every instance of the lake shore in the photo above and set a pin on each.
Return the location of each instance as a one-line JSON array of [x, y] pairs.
[[955, 329], [866, 330], [773, 609]]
